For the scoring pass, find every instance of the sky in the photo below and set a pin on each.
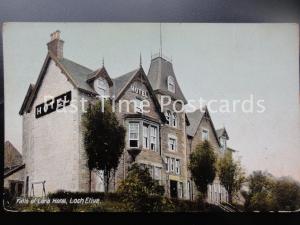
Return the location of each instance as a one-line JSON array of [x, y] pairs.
[[211, 61]]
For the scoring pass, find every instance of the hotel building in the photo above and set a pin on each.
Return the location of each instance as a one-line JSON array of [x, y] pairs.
[[53, 149]]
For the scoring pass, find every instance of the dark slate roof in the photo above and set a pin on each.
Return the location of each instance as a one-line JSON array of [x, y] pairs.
[[25, 101], [222, 132], [12, 156], [12, 170], [158, 73], [78, 73], [92, 75], [122, 81], [194, 119]]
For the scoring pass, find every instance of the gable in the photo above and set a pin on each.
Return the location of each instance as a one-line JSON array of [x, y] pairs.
[[75, 74], [199, 120], [100, 73], [137, 86]]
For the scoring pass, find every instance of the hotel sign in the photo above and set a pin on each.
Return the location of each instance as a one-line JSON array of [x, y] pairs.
[[139, 91], [52, 105]]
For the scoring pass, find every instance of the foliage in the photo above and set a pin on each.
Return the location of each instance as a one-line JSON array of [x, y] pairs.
[[104, 139], [140, 192], [202, 166], [287, 194], [230, 174]]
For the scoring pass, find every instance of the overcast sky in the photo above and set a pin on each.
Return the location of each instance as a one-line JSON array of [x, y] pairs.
[[212, 61]]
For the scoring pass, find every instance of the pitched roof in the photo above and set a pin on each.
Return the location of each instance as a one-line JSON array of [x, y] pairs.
[[12, 157], [26, 99], [222, 132], [79, 74], [121, 82], [159, 71], [194, 119], [101, 72], [12, 170]]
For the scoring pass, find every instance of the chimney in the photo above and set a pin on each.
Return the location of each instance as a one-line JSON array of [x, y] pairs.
[[55, 46]]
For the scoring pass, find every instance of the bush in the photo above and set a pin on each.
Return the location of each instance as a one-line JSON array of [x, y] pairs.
[[140, 192]]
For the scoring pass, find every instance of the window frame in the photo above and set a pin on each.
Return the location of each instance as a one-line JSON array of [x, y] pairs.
[[172, 137], [171, 84], [154, 128], [174, 119], [177, 166], [102, 85], [147, 144], [138, 105], [223, 143], [138, 134], [207, 132]]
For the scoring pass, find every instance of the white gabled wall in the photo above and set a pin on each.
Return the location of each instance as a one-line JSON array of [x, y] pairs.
[[50, 143]]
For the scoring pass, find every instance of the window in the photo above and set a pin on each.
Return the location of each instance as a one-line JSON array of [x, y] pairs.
[[174, 120], [168, 116], [172, 164], [153, 138], [180, 189], [138, 105], [102, 87], [177, 166], [157, 173], [172, 144], [167, 164], [133, 134], [223, 143], [204, 135], [171, 84], [146, 136]]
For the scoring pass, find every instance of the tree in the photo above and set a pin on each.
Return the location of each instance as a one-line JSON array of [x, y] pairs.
[[139, 191], [230, 174], [104, 139], [260, 195], [202, 166], [287, 194]]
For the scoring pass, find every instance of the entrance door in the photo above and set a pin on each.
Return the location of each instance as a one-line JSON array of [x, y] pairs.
[[173, 189]]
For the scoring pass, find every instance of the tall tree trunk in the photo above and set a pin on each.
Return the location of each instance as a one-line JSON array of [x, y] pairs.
[[230, 197], [106, 180], [90, 181]]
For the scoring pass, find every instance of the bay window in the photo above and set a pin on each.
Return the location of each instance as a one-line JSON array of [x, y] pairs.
[[145, 132]]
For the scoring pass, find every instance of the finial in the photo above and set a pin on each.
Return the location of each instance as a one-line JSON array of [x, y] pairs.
[[102, 61], [140, 59], [160, 41]]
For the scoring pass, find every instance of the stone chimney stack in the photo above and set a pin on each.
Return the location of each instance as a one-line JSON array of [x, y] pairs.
[[55, 46]]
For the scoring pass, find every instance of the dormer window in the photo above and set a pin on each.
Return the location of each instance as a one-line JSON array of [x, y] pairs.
[[101, 87], [223, 143], [171, 84]]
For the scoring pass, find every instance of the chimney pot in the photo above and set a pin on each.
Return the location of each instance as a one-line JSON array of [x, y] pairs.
[[55, 46]]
